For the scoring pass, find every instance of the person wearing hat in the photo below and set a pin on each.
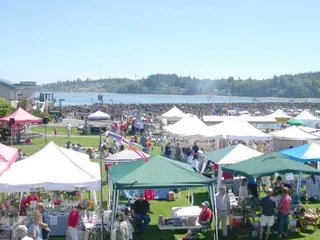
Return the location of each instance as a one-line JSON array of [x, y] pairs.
[[223, 209], [73, 222], [204, 219], [268, 206], [140, 212]]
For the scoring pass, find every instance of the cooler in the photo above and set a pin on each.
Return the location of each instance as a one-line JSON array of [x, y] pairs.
[[235, 220], [149, 194]]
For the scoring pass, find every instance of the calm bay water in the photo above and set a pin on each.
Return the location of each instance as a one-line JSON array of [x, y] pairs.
[[92, 97]]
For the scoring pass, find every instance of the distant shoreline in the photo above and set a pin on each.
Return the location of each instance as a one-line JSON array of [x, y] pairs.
[[184, 95]]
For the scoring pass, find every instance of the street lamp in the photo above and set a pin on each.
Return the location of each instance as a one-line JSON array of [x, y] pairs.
[[61, 100], [91, 101]]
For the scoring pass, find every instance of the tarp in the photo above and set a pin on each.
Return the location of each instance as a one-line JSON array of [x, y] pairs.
[[174, 114], [239, 130], [191, 127], [158, 172], [98, 115], [123, 156], [52, 168], [306, 116], [293, 133], [20, 117], [267, 165], [305, 153], [8, 155]]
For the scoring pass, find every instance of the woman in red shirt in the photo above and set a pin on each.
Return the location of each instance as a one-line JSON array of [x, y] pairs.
[[73, 222]]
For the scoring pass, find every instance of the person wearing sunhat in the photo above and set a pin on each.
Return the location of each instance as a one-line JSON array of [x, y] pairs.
[[204, 219]]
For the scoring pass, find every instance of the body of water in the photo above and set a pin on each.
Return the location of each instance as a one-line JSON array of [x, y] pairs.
[[108, 98]]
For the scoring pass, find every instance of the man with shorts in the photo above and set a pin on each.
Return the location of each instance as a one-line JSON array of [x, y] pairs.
[[267, 205]]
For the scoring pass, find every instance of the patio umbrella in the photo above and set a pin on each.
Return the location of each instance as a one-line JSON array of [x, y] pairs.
[[297, 122], [269, 164]]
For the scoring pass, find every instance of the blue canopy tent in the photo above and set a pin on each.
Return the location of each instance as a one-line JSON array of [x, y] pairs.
[[305, 153]]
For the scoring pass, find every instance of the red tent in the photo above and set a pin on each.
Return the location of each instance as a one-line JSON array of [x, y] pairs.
[[8, 155], [20, 117]]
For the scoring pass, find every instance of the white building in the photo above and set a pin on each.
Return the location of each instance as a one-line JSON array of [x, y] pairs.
[[9, 92]]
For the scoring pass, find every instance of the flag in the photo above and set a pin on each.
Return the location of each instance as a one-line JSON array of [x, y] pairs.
[[128, 144]]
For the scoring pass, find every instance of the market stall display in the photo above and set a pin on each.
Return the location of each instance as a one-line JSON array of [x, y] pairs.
[[55, 166], [157, 173]]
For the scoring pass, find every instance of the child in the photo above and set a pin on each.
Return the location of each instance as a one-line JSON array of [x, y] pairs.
[[55, 132]]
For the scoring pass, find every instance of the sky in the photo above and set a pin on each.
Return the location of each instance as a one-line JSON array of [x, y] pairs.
[[52, 40]]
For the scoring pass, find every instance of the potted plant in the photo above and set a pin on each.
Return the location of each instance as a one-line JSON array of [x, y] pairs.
[[90, 210]]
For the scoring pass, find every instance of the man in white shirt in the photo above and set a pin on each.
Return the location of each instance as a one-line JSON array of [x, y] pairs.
[[68, 129], [223, 209], [23, 232]]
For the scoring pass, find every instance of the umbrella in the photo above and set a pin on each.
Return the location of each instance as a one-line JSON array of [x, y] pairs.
[[297, 122], [269, 164]]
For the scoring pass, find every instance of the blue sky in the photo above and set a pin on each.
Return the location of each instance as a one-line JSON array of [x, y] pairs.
[[46, 41]]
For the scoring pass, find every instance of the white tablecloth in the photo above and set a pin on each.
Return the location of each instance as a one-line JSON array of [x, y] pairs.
[[191, 211]]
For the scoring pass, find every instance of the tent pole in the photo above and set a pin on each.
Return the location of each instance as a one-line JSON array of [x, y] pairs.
[[113, 210], [299, 184], [101, 176], [215, 212], [219, 176]]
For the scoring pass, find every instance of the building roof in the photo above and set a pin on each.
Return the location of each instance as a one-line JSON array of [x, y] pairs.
[[7, 83]]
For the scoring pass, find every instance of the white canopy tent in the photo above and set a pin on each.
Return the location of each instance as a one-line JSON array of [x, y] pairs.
[[306, 116], [249, 119], [52, 168], [173, 115], [279, 114], [98, 115], [123, 156], [191, 127], [229, 155], [240, 130], [293, 133], [292, 136]]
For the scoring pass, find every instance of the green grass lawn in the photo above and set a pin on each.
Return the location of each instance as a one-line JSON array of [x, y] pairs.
[[159, 207]]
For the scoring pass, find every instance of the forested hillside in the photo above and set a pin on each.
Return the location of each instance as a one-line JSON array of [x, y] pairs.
[[304, 85]]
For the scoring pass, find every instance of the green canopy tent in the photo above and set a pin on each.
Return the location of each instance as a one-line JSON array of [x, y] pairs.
[[269, 164], [157, 173]]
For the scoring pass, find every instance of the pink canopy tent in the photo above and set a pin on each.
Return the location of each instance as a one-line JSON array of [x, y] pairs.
[[20, 117], [8, 155]]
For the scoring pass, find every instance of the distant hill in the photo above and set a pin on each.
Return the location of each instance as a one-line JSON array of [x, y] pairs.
[[303, 85]]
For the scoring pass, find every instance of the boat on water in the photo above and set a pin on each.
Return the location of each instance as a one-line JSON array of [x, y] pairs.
[[255, 100]]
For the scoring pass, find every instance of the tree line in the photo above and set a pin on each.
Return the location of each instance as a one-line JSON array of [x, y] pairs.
[[303, 85]]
